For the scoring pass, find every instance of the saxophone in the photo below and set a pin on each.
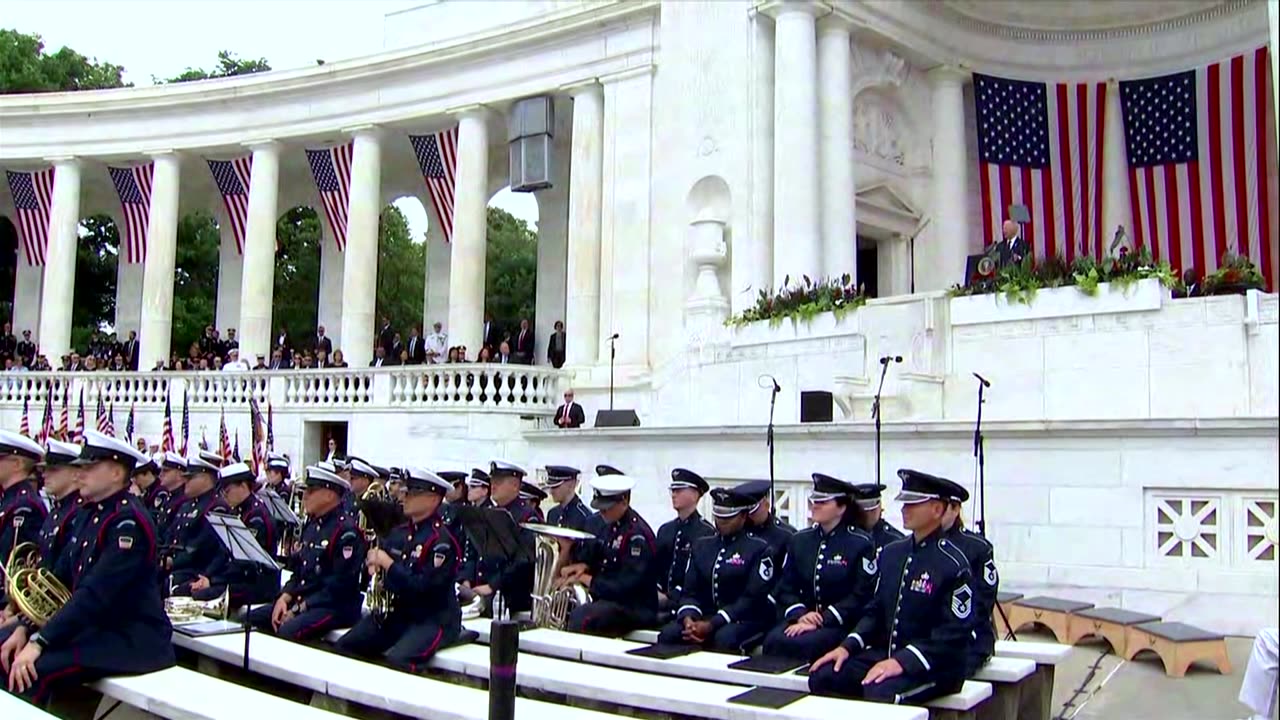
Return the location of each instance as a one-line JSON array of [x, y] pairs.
[[552, 605]]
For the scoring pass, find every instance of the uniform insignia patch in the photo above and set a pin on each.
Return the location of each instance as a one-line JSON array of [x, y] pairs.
[[438, 559], [837, 559], [126, 542], [869, 565], [18, 520], [417, 553], [990, 574], [962, 602], [635, 551], [766, 569], [347, 552], [736, 559], [617, 543], [922, 585]]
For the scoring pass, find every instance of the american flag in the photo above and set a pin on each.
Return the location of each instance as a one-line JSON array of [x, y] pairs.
[[224, 440], [271, 433], [133, 185], [25, 427], [232, 179], [331, 168], [257, 438], [1040, 145], [46, 423], [1202, 177], [33, 199], [186, 425], [438, 159], [65, 420], [111, 419], [235, 449], [128, 425], [103, 422], [79, 437], [166, 437]]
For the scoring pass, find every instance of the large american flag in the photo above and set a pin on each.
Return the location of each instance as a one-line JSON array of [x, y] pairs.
[[1202, 169], [232, 179], [438, 158], [1040, 145], [133, 186], [257, 438], [331, 168], [33, 199]]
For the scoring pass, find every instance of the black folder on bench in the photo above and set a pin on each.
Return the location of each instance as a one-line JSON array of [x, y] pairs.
[[773, 698], [768, 664], [209, 627], [664, 652]]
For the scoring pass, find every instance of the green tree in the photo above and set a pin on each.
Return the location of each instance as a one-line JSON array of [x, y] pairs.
[[401, 272], [195, 286], [95, 296], [296, 294], [511, 268], [26, 68], [228, 65]]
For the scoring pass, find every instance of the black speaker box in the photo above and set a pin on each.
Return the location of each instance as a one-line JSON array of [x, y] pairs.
[[816, 406], [617, 418]]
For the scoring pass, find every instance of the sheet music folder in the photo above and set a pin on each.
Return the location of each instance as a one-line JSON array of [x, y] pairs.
[[494, 533], [278, 508], [239, 541]]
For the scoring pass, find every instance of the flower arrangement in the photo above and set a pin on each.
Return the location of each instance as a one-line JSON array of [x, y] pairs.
[[803, 301], [1235, 274], [1019, 283]]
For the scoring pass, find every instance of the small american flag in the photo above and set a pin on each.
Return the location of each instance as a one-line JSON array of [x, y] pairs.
[[1040, 145], [128, 425], [271, 433], [111, 419], [166, 437], [186, 425], [235, 449], [103, 422], [257, 438], [65, 420], [1202, 179], [79, 437], [33, 199], [133, 186], [46, 423], [25, 427], [438, 159], [224, 440], [232, 179], [331, 168]]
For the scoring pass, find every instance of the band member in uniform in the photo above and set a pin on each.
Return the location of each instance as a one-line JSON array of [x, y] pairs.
[[196, 548], [762, 523], [424, 615], [455, 498], [618, 568], [570, 511], [114, 622], [278, 474], [602, 470], [533, 496], [514, 579], [236, 484], [676, 537], [828, 576], [910, 645], [724, 604], [361, 475], [986, 579], [325, 591], [871, 515], [173, 479], [146, 481], [472, 572], [21, 510]]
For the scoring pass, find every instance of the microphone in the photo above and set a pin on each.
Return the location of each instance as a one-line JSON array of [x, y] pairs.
[[614, 336], [890, 358], [771, 381], [984, 381]]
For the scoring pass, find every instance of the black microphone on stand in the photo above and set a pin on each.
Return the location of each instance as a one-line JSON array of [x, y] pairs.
[[613, 353], [980, 483], [773, 399], [875, 405]]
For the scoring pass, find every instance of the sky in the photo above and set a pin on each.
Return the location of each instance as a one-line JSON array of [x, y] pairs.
[[161, 38]]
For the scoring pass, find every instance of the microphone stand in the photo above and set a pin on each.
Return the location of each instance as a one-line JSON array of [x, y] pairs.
[[773, 399], [613, 353], [980, 485], [875, 411]]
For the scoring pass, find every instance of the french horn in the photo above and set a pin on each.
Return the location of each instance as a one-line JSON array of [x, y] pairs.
[[36, 592]]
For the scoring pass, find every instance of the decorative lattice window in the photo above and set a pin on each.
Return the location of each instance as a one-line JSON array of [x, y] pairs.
[[1259, 530], [1188, 528]]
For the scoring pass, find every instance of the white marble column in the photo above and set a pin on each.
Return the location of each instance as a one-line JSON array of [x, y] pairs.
[[230, 276], [257, 278], [586, 185], [470, 225], [1115, 173], [162, 249], [28, 283], [128, 296], [752, 270], [59, 289], [551, 294], [950, 183], [835, 154], [329, 302], [360, 270], [435, 307], [796, 200]]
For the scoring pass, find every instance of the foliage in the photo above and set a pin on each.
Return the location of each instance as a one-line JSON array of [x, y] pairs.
[[402, 269], [228, 66], [26, 68], [1234, 273], [95, 295], [511, 268], [295, 294], [195, 281], [1018, 283], [804, 301]]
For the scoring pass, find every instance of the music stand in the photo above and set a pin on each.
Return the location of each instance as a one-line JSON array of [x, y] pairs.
[[494, 533], [278, 508], [243, 548]]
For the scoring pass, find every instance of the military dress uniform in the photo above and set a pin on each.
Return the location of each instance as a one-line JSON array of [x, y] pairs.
[[832, 573], [249, 583], [773, 531], [197, 549], [164, 506], [920, 615], [622, 566], [727, 584], [424, 614], [512, 578], [572, 514], [58, 525], [676, 537], [533, 496], [986, 584], [326, 584], [114, 623], [867, 496], [22, 512]]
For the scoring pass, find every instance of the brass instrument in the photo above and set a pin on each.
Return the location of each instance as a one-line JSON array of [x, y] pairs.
[[292, 536], [185, 609], [377, 598], [552, 605], [36, 592], [473, 604]]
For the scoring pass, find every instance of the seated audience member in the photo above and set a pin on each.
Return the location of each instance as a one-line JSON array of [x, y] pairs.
[[1258, 690]]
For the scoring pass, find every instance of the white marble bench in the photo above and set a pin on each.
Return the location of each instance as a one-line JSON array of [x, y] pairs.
[[335, 676], [182, 694], [1037, 697], [12, 708], [1041, 653]]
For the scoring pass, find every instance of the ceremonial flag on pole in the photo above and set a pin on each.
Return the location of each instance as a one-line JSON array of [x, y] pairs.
[[1040, 145], [166, 438], [46, 423], [25, 427], [79, 438], [232, 179], [186, 425], [128, 426], [33, 199], [1202, 164], [224, 440], [111, 419], [133, 186], [235, 451], [204, 441], [438, 159], [65, 420], [101, 418], [271, 433], [257, 439], [331, 168]]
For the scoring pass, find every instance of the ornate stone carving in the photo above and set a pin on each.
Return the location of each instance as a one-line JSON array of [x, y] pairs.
[[876, 67], [877, 131]]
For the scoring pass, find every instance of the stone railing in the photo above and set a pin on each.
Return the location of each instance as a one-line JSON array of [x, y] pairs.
[[527, 390]]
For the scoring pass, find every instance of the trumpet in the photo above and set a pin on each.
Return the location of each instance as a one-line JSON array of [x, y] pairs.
[[36, 592]]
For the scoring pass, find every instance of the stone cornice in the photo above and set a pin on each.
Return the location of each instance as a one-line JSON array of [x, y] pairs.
[[1029, 34]]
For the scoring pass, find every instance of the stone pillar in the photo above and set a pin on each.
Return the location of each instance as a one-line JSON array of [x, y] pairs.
[[258, 276], [586, 185], [835, 155], [753, 266], [470, 227], [157, 276], [128, 296], [435, 307], [796, 203], [28, 282], [230, 275], [59, 288], [552, 292], [360, 270], [329, 302], [1115, 173], [950, 182]]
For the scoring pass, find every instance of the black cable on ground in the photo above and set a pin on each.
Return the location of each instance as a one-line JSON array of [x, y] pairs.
[[1084, 684]]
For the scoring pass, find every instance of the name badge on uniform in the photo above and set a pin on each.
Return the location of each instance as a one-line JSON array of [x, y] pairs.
[[922, 585]]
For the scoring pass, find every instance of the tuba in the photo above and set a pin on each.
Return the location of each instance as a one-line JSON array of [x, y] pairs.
[[552, 605], [36, 592]]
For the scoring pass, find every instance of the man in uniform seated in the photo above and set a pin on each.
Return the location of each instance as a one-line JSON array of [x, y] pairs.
[[910, 645], [248, 583], [570, 511], [867, 496], [676, 537], [278, 475], [511, 577], [617, 568], [982, 568], [197, 549], [762, 523], [533, 496], [173, 479], [114, 622], [827, 577], [724, 601], [325, 590], [21, 510], [424, 614], [146, 480], [472, 572]]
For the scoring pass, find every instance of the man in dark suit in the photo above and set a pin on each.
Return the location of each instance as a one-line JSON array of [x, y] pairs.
[[322, 342], [570, 415], [380, 358], [386, 336], [416, 346], [492, 334], [130, 350], [285, 345], [504, 357], [556, 346], [524, 343], [1012, 248]]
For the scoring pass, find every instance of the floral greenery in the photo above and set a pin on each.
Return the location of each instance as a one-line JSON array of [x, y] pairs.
[[803, 301], [1019, 283], [1234, 273]]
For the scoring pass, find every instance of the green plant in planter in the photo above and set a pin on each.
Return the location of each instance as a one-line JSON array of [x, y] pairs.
[[803, 301], [1235, 274]]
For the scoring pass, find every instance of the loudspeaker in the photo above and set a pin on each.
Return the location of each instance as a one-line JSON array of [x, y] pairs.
[[530, 125], [816, 406], [617, 418]]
